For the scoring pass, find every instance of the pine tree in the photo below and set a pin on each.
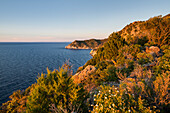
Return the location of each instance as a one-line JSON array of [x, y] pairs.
[[56, 91]]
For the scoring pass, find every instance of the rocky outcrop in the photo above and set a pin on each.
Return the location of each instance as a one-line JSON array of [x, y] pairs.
[[86, 44], [77, 47], [152, 49], [93, 52], [84, 76]]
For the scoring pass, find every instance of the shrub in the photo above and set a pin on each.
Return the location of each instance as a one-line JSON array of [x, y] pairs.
[[56, 88], [154, 89], [110, 99], [163, 64], [144, 58], [109, 51]]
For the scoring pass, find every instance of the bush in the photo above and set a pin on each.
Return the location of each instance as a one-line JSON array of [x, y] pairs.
[[144, 58], [111, 99], [109, 51], [163, 64], [154, 89], [56, 88]]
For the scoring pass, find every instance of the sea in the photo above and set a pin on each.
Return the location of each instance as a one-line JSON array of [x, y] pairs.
[[21, 63]]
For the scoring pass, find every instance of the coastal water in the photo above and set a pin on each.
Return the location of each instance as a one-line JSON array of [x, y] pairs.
[[20, 63]]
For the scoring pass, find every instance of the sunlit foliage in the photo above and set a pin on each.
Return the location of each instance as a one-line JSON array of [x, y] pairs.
[[118, 100]]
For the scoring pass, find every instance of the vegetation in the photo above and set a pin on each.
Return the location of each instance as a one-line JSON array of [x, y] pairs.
[[130, 74], [53, 92], [155, 31], [111, 99], [109, 50], [91, 44]]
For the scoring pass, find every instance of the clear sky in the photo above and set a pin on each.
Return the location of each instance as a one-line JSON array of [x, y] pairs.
[[68, 20]]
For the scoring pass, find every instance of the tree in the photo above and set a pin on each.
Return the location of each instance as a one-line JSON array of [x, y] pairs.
[[159, 30], [56, 89]]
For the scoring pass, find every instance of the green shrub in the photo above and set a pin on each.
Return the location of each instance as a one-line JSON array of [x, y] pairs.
[[56, 88], [111, 99], [144, 58], [109, 51]]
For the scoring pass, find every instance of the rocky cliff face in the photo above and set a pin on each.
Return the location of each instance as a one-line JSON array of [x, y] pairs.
[[83, 76], [86, 44]]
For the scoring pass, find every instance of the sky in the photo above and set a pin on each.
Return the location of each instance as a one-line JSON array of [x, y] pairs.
[[69, 20]]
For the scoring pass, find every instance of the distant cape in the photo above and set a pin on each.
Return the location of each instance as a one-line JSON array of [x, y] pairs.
[[86, 44]]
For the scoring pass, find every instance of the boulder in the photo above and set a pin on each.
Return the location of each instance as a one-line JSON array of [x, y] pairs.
[[84, 74], [152, 50]]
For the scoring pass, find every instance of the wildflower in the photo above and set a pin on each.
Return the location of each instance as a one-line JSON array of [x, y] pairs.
[[96, 105], [132, 94], [129, 110], [113, 105], [114, 95], [105, 97], [109, 106], [106, 94], [94, 99], [116, 88], [99, 91], [109, 90], [91, 104], [94, 95], [117, 91]]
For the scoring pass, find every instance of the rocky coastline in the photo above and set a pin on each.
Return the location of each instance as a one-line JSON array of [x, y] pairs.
[[86, 44]]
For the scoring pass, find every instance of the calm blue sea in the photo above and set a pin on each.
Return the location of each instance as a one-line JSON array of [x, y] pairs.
[[20, 63]]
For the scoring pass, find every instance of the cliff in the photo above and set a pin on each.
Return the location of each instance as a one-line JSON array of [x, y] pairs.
[[86, 44]]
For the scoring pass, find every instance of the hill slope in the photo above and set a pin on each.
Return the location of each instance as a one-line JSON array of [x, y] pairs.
[[156, 30], [129, 73]]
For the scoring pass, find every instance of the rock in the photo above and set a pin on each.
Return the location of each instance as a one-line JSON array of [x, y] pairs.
[[93, 52], [83, 75], [152, 50], [149, 64]]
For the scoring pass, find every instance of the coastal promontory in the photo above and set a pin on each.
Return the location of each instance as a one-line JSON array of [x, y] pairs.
[[86, 44]]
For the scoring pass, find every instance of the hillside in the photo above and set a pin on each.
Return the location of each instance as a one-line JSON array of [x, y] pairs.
[[130, 72], [86, 44], [156, 29]]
